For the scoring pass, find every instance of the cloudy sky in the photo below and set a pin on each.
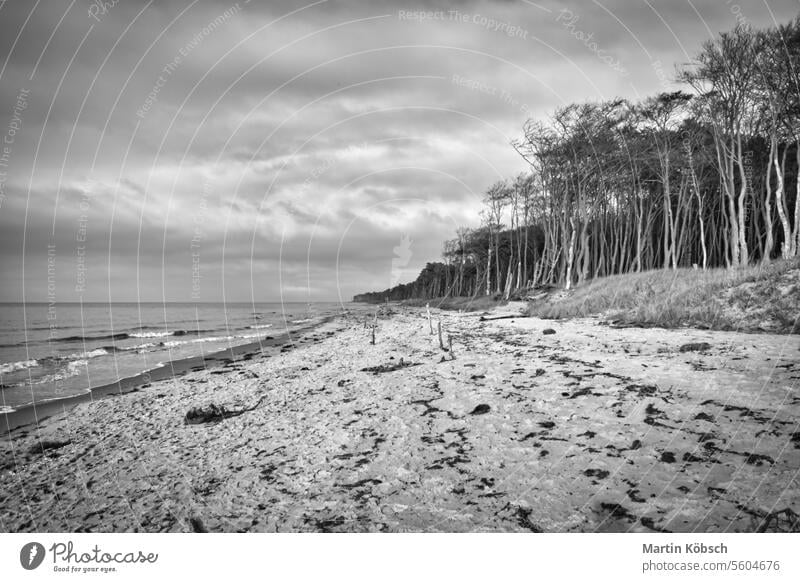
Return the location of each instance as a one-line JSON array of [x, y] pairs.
[[256, 151]]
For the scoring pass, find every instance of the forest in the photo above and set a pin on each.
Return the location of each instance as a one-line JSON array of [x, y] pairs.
[[703, 177]]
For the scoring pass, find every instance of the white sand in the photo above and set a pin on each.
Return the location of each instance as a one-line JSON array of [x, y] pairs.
[[581, 435]]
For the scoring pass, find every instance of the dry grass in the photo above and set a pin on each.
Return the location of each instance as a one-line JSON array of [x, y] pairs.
[[758, 298]]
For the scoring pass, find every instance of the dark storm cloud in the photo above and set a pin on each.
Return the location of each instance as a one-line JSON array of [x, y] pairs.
[[286, 144]]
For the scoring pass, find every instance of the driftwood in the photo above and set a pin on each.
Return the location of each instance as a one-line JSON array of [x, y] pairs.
[[383, 368], [215, 413], [484, 318], [695, 347]]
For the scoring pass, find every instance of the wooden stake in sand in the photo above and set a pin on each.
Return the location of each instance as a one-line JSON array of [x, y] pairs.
[[374, 326], [441, 343], [430, 322], [450, 346]]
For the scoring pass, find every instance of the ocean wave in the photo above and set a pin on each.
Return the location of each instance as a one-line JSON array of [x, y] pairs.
[[95, 353], [131, 335], [6, 409], [302, 320], [11, 367], [72, 368], [262, 326], [146, 334], [218, 338]]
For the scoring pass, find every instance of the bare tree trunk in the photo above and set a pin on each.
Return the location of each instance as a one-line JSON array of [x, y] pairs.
[[797, 201], [570, 254], [509, 281], [743, 251], [488, 272], [767, 209], [724, 163], [780, 203]]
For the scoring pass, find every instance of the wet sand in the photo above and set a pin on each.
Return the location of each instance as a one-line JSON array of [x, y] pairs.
[[33, 414], [589, 428]]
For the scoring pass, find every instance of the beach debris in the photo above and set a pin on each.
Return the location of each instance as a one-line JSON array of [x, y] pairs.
[[784, 520], [650, 523], [695, 347], [517, 316], [214, 413], [642, 389], [548, 331], [327, 525], [197, 525], [617, 511], [667, 457], [598, 473], [383, 368], [524, 520], [481, 409], [204, 414]]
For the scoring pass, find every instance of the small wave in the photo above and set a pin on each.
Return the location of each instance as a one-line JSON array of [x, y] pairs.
[[16, 366], [72, 369], [216, 338], [263, 326], [176, 343], [182, 332], [176, 333], [95, 353], [114, 349], [129, 335], [6, 409], [91, 338], [145, 334], [302, 320]]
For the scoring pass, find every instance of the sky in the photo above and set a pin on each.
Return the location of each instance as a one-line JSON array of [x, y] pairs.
[[189, 150]]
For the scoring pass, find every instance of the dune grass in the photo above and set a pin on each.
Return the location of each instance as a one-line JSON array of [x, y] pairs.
[[755, 298]]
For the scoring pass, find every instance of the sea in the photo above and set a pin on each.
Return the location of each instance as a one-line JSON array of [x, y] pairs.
[[49, 352]]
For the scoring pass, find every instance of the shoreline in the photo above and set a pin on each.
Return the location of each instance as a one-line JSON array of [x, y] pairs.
[[528, 425], [29, 415]]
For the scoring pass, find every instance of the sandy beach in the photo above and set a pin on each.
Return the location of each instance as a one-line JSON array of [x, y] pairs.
[[528, 425]]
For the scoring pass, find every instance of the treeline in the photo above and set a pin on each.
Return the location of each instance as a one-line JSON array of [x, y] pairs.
[[706, 177]]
